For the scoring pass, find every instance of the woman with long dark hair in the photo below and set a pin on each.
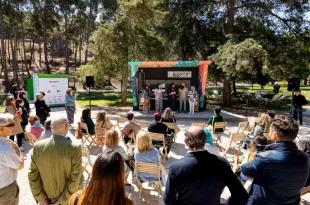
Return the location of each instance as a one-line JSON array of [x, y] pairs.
[[70, 105], [86, 118], [42, 110], [107, 185], [10, 107]]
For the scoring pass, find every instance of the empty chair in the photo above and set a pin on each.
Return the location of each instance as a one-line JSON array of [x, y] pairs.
[[86, 161], [86, 136], [218, 130], [234, 144]]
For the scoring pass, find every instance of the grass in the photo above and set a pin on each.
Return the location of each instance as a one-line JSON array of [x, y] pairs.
[[239, 102], [105, 98]]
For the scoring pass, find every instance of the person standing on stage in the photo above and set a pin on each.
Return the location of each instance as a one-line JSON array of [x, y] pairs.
[[298, 101], [183, 91], [172, 97], [158, 99], [146, 96], [192, 95]]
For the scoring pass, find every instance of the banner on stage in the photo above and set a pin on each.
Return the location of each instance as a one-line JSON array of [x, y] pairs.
[[179, 74]]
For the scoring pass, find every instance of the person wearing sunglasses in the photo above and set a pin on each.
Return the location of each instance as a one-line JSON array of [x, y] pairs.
[[11, 161]]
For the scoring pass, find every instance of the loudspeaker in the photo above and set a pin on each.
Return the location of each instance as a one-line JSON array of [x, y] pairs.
[[90, 82], [293, 84]]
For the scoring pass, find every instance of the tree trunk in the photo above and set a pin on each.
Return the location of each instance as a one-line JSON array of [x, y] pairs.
[[124, 85], [89, 29], [40, 53], [14, 56], [3, 52], [32, 50], [24, 48], [234, 87], [305, 81], [8, 49], [80, 50], [227, 91], [67, 42]]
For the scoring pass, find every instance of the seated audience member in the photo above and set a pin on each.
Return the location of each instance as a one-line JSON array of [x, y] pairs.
[[111, 144], [304, 145], [262, 124], [209, 136], [145, 152], [157, 126], [107, 184], [36, 128], [209, 144], [103, 124], [130, 126], [168, 116], [86, 118], [47, 133], [256, 145], [216, 118], [281, 170], [200, 177]]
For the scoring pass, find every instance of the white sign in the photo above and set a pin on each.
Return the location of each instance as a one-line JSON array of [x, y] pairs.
[[54, 88], [179, 74]]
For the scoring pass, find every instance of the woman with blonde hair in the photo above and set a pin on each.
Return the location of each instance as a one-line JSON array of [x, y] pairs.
[[103, 124], [70, 105], [111, 144], [10, 107], [168, 116], [145, 152], [107, 184]]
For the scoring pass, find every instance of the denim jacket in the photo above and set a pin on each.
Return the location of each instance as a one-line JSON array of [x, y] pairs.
[[280, 171], [69, 101]]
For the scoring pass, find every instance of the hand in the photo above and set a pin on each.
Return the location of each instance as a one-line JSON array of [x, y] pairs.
[[14, 146], [45, 202], [57, 203]]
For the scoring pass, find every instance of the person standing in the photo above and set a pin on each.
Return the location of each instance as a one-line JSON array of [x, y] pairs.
[[11, 161], [10, 107], [14, 90], [281, 170], [183, 91], [42, 110], [146, 96], [192, 96], [200, 177], [158, 99], [56, 170], [23, 96], [298, 101], [20, 105], [276, 88], [172, 97], [70, 106]]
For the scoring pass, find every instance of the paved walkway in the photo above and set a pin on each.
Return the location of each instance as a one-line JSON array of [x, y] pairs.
[[149, 197]]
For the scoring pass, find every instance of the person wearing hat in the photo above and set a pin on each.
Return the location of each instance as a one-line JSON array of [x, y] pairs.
[[130, 126], [14, 90], [42, 110], [298, 101], [157, 126]]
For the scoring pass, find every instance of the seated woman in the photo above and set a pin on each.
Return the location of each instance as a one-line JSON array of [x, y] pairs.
[[111, 144], [168, 116], [145, 152], [102, 125], [107, 184], [209, 145], [47, 129], [36, 128], [86, 118], [216, 118], [256, 146], [304, 145]]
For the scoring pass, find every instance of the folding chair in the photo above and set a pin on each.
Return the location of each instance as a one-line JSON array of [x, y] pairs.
[[161, 138], [86, 161], [201, 125], [217, 126], [120, 121], [150, 168], [243, 126], [233, 144], [132, 142], [86, 136], [175, 127], [305, 190], [32, 138], [143, 123]]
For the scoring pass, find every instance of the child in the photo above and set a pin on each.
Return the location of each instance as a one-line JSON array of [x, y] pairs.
[[103, 124], [36, 128]]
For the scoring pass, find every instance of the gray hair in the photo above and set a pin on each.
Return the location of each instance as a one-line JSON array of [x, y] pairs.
[[195, 137], [4, 119], [47, 124], [304, 144], [58, 123], [38, 94]]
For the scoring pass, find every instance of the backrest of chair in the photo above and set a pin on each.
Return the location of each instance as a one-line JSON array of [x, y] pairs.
[[219, 125], [143, 123], [121, 120], [275, 97], [85, 153], [83, 126], [173, 125], [237, 137], [201, 125], [243, 126], [158, 137], [151, 168], [257, 95]]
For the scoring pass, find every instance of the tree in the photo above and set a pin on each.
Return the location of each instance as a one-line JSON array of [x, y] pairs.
[[245, 57], [3, 49]]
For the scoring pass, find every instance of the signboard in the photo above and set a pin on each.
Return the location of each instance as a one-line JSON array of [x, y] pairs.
[[55, 89], [179, 74]]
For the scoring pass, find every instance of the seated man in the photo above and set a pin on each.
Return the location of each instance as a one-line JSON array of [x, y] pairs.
[[281, 170], [157, 126], [130, 126], [216, 118], [200, 177]]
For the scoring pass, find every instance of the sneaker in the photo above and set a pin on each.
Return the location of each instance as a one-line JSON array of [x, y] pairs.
[[21, 149]]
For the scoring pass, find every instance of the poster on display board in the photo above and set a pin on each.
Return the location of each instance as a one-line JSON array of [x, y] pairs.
[[54, 86]]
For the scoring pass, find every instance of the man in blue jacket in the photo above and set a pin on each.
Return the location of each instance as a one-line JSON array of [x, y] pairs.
[[281, 170]]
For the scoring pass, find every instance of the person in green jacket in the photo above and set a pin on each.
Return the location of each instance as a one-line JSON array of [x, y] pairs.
[[86, 118], [56, 170], [216, 118]]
